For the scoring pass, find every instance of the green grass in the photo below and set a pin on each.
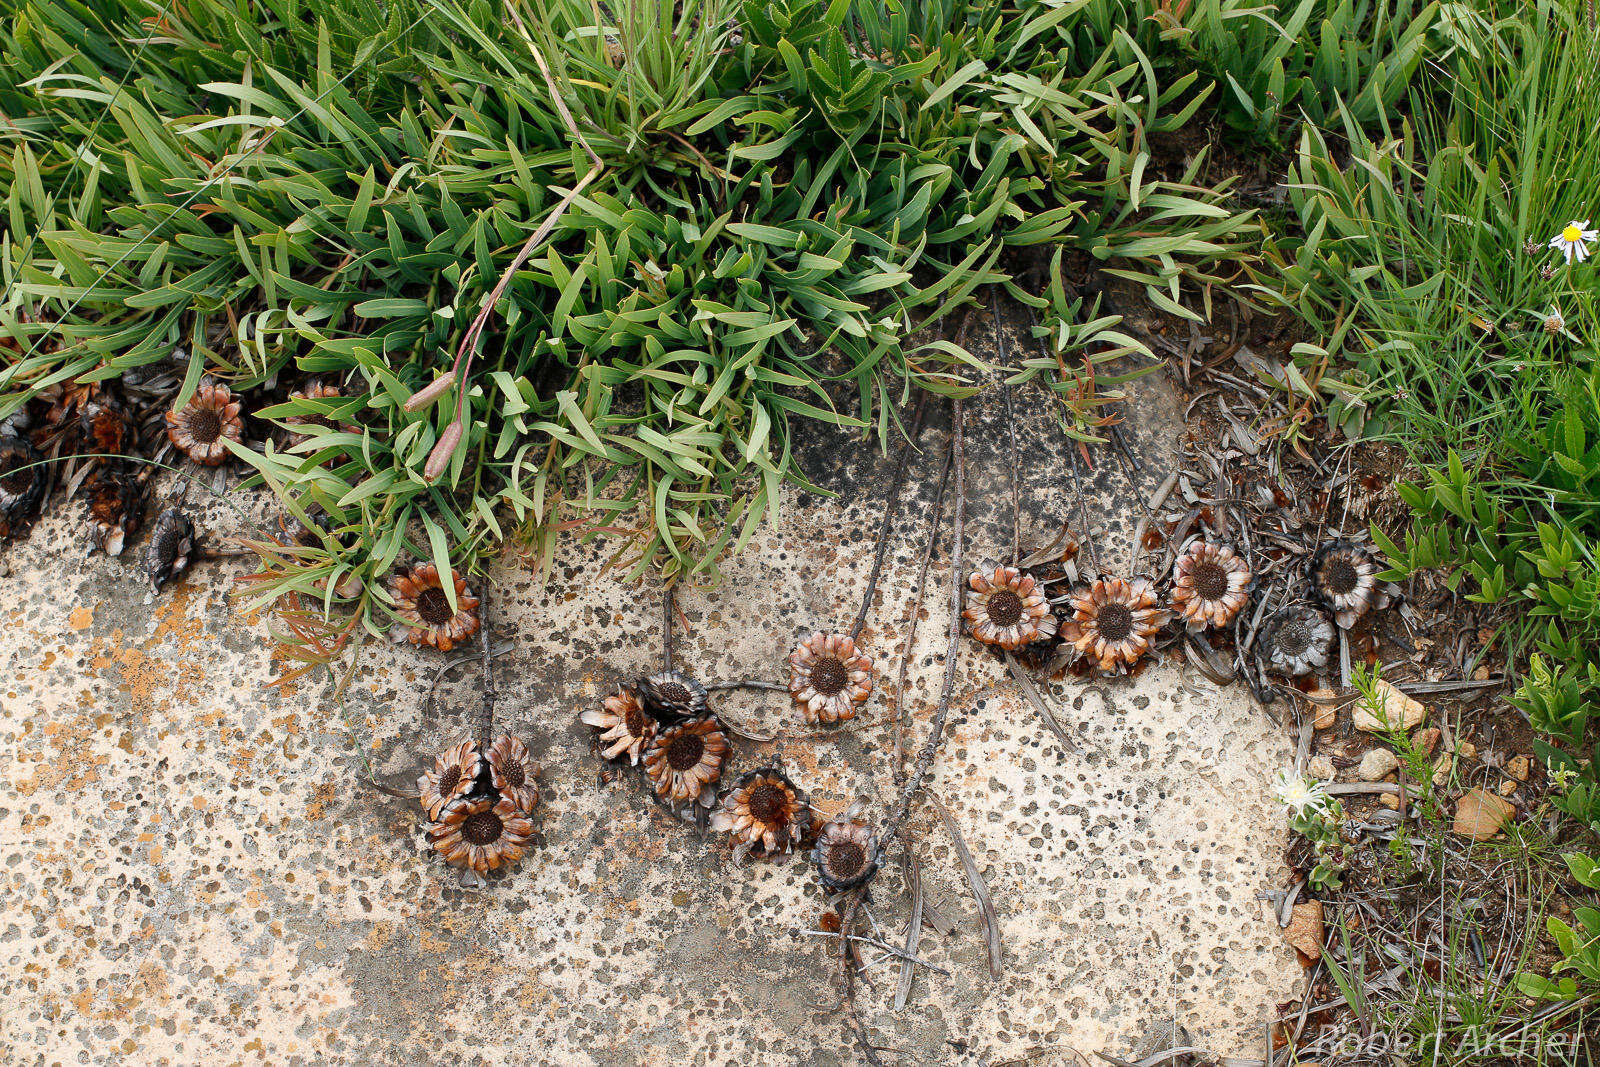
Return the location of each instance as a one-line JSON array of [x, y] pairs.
[[1418, 254], [677, 231]]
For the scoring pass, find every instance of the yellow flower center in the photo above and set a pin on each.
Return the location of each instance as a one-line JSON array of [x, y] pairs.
[[1571, 235]]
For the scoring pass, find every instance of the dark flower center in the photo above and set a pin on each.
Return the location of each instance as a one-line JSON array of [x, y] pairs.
[[1295, 638], [1210, 580], [13, 477], [1005, 607], [1339, 576], [768, 802], [433, 606], [634, 720], [673, 693], [828, 676], [846, 859], [684, 751], [205, 425], [1114, 621], [482, 828], [171, 544], [449, 780], [515, 774]]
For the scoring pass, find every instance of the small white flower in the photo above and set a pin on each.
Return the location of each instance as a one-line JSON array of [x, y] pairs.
[[1299, 793], [1574, 239], [1553, 321]]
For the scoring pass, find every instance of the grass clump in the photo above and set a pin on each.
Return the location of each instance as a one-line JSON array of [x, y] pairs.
[[650, 239]]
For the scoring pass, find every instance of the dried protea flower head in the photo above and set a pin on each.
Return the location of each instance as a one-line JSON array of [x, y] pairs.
[[481, 831], [1345, 577], [828, 677], [1007, 608], [22, 479], [1297, 640], [171, 547], [454, 774], [107, 430], [314, 390], [512, 773], [421, 603], [1113, 621], [115, 501], [684, 762], [673, 695], [199, 428], [626, 729], [1208, 585], [846, 853], [765, 813]]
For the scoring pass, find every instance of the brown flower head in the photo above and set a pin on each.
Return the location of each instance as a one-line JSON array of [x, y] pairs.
[[1114, 620], [106, 428], [846, 854], [481, 832], [765, 813], [22, 479], [1208, 585], [684, 761], [673, 695], [626, 728], [199, 428], [1297, 640], [828, 677], [1007, 608], [421, 603], [1345, 577], [513, 773], [114, 501], [315, 390], [171, 547], [454, 774]]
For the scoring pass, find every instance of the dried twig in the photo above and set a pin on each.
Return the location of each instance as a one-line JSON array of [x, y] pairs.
[[666, 627], [486, 731], [915, 617], [936, 729], [888, 515], [1011, 426], [913, 872]]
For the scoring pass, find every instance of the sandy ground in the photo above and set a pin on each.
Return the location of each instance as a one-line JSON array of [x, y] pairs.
[[193, 871]]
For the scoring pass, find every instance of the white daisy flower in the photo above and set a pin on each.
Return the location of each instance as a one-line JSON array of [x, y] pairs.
[[1574, 239], [1300, 794]]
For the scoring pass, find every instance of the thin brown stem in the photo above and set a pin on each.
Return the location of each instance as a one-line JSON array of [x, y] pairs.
[[486, 733], [666, 628], [930, 747], [916, 617], [888, 515], [1011, 425], [1072, 456]]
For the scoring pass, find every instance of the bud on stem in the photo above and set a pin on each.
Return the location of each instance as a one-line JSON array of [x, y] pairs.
[[439, 458], [430, 392]]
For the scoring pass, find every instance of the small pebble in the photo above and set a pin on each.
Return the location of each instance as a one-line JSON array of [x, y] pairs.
[[1377, 765]]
